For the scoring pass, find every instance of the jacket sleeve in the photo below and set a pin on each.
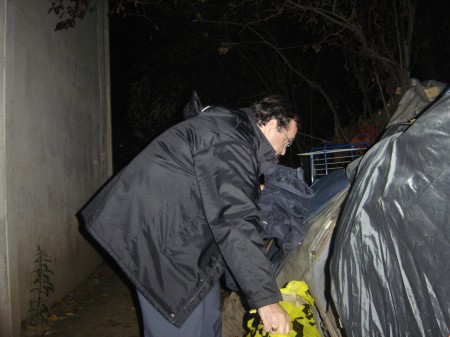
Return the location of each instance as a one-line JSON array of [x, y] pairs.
[[229, 187]]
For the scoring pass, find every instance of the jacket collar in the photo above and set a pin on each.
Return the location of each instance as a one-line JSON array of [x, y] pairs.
[[265, 152]]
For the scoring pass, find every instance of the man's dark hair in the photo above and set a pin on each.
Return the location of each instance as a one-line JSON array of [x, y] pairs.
[[274, 107]]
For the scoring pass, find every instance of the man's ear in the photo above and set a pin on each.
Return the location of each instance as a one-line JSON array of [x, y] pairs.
[[272, 124]]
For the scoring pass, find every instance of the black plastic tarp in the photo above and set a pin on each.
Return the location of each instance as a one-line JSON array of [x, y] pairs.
[[390, 267]]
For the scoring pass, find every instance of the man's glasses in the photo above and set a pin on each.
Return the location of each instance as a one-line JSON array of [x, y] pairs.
[[288, 141]]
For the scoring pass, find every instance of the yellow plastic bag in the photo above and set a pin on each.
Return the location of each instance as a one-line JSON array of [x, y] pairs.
[[298, 303]]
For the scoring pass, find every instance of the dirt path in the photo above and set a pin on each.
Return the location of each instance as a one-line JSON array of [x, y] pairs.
[[101, 307]]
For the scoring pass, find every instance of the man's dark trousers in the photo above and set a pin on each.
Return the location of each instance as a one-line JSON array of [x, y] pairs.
[[205, 320]]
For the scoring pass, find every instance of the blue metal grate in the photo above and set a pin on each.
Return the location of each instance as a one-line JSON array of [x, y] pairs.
[[326, 158]]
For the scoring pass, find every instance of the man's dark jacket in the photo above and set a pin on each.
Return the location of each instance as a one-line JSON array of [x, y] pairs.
[[184, 208]]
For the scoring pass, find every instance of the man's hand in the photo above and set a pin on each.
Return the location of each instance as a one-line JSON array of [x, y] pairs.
[[274, 319]]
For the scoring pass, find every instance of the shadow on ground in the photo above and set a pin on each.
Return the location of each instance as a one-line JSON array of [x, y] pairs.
[[102, 306]]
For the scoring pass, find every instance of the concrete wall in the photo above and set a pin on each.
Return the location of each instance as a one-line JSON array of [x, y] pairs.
[[55, 147]]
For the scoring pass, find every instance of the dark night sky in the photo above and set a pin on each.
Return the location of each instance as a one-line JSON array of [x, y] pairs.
[[137, 48]]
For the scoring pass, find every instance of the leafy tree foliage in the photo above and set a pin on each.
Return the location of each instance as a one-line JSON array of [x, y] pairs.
[[70, 11]]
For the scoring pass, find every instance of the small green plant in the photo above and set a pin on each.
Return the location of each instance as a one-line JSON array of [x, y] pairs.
[[42, 287]]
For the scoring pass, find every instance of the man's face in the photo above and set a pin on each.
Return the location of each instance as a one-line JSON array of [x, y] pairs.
[[279, 139]]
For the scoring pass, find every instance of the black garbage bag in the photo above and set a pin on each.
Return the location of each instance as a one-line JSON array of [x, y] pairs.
[[284, 206], [390, 265]]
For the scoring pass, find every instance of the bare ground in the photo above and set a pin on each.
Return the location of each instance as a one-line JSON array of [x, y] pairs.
[[102, 306]]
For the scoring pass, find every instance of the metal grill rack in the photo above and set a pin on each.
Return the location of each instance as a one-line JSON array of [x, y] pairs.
[[322, 160]]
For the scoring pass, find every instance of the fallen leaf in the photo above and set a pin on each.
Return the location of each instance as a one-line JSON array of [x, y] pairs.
[[53, 318]]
